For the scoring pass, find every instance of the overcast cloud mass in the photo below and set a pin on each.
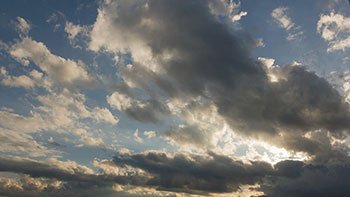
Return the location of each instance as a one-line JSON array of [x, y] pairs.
[[174, 98]]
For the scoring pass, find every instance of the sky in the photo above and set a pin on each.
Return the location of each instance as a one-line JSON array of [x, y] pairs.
[[174, 98]]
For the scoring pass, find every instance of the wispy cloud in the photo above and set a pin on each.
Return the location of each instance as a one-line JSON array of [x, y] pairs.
[[280, 15]]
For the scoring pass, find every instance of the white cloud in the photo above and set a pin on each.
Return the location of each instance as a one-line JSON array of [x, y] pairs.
[[108, 34], [270, 68], [237, 17], [335, 29], [150, 134], [229, 8], [119, 101], [64, 71], [15, 81], [87, 139], [74, 31], [104, 115], [23, 26], [280, 15], [58, 112], [137, 138]]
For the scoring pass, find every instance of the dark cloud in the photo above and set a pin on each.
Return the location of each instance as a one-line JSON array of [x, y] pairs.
[[190, 173], [196, 174], [75, 175], [308, 180], [151, 111], [212, 60], [216, 173]]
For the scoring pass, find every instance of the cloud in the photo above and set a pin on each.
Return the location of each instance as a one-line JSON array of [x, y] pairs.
[[188, 135], [28, 186], [259, 42], [87, 139], [280, 15], [104, 115], [23, 26], [217, 173], [16, 143], [205, 58], [188, 173], [229, 9], [149, 110], [75, 32], [209, 174], [67, 72], [238, 16], [150, 134], [308, 180], [137, 138], [75, 178], [15, 81], [335, 29]]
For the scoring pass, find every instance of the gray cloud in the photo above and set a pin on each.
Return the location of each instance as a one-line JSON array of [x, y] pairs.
[[72, 173], [308, 180], [216, 173], [195, 54], [191, 173], [194, 174]]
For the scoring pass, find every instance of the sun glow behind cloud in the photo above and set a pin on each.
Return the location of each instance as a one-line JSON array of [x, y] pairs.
[[183, 98]]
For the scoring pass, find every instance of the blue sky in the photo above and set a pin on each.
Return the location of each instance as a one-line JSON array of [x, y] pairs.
[[92, 87]]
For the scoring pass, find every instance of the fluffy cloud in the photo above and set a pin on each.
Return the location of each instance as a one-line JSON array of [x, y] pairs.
[[280, 15], [104, 115], [335, 29], [67, 72], [15, 81], [214, 65]]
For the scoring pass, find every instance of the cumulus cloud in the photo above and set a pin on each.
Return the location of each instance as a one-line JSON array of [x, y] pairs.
[[15, 81], [214, 65], [280, 15], [189, 64], [104, 115], [63, 71], [335, 29]]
